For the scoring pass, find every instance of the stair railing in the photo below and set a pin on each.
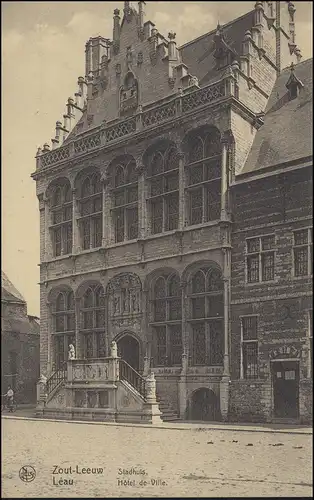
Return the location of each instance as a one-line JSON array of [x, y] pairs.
[[56, 379], [131, 376]]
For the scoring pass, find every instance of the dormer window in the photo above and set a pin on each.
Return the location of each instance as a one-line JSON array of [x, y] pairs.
[[293, 85], [293, 92]]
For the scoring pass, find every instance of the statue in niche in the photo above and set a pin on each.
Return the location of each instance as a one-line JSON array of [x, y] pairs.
[[116, 304], [71, 353], [129, 94]]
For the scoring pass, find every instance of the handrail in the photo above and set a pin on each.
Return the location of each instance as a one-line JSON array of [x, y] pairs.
[[131, 376], [55, 379]]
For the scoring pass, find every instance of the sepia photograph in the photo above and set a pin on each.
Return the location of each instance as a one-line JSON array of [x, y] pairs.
[[157, 249]]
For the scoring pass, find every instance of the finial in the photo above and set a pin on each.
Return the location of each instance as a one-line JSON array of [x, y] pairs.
[[171, 35], [247, 35], [70, 100], [259, 5], [116, 12], [38, 151], [291, 7]]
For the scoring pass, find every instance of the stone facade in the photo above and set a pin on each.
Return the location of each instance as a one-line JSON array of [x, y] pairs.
[[142, 217]]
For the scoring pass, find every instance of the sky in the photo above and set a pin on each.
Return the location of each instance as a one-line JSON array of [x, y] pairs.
[[43, 46]]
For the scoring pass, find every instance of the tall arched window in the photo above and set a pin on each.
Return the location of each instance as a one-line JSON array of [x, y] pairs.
[[206, 317], [61, 218], [64, 326], [93, 322], [166, 320], [125, 199], [163, 175], [91, 211], [204, 176]]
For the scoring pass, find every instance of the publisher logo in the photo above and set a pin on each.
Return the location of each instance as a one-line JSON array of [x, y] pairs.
[[27, 473]]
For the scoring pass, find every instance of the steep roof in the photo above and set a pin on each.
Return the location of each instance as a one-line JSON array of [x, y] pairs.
[[8, 290], [286, 134], [198, 54]]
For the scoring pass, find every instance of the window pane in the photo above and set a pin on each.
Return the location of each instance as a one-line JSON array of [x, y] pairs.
[[157, 216], [86, 234], [89, 345], [216, 342], [132, 194], [301, 237], [252, 269], [59, 350], [174, 308], [119, 225], [57, 197], [157, 186], [60, 302], [212, 169], [68, 239], [71, 322], [88, 320], [57, 241], [86, 189], [196, 206], [215, 281], [249, 328], [172, 212], [198, 307], [97, 204], [171, 160], [119, 176], [252, 245], [86, 207], [88, 298], [160, 310], [250, 357], [212, 145], [196, 149], [213, 201], [301, 261], [196, 174], [268, 265], [100, 318], [198, 282], [119, 198], [67, 214], [171, 182], [160, 288], [97, 232], [175, 345], [132, 222], [199, 344], [60, 322], [57, 216], [215, 306], [161, 343], [268, 242], [156, 164]]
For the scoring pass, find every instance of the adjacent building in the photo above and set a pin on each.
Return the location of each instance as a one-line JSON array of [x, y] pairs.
[[19, 345], [175, 215]]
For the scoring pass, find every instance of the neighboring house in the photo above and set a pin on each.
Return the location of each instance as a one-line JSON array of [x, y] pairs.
[[175, 215], [19, 344]]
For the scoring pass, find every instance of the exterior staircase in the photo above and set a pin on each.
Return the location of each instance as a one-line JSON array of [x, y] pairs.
[[168, 414]]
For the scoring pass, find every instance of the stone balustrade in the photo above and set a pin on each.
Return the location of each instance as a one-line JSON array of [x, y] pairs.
[[146, 118]]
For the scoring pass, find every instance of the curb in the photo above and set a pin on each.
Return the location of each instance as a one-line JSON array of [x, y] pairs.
[[164, 426]]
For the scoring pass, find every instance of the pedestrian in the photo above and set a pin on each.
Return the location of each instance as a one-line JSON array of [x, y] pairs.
[[10, 395]]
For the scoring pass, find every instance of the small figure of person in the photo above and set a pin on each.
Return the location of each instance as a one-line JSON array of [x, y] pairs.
[[9, 397], [71, 352]]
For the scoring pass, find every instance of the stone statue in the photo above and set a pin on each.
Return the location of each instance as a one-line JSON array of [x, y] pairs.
[[114, 349], [43, 380], [194, 81], [71, 352]]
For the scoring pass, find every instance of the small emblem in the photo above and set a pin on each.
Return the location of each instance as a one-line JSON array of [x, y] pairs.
[[27, 473]]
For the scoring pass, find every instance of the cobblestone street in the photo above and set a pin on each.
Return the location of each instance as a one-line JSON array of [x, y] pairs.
[[169, 462]]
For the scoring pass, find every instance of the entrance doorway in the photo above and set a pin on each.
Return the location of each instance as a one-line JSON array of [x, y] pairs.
[[204, 405], [129, 350], [286, 389]]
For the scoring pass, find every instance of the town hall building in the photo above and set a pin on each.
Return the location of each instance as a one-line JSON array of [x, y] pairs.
[[175, 221]]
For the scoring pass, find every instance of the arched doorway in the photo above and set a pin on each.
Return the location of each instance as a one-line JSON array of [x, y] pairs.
[[129, 350], [204, 405]]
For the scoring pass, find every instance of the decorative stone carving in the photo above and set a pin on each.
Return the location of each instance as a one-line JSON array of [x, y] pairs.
[[114, 349], [140, 58], [129, 58], [71, 353], [289, 351], [129, 94], [124, 291]]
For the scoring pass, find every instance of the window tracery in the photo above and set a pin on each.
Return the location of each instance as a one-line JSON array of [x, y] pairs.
[[93, 322], [61, 218], [64, 326], [91, 206]]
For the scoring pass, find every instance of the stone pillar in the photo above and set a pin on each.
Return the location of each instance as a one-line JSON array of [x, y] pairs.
[[182, 204], [79, 342], [75, 223], [224, 179], [107, 235], [47, 237], [142, 195], [183, 387], [150, 384], [224, 383]]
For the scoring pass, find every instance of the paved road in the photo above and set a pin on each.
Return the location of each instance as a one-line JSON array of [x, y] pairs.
[[148, 462]]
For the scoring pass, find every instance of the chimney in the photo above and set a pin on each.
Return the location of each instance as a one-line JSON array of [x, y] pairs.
[[82, 89], [141, 14], [116, 31], [88, 57]]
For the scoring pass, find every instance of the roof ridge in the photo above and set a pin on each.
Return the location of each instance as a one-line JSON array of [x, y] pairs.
[[8, 286], [214, 30]]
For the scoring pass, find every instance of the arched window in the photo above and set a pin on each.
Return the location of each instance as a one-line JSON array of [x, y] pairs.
[[166, 320], [204, 176], [93, 322], [90, 202], [61, 218], [163, 175], [206, 316], [125, 199], [64, 326]]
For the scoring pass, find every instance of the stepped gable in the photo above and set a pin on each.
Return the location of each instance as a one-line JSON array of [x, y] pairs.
[[198, 54], [8, 291], [285, 135]]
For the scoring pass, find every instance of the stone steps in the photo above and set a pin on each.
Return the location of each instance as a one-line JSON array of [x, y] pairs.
[[167, 413]]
